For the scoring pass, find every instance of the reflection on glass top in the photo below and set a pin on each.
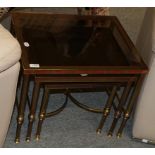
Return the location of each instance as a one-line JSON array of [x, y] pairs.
[[74, 42]]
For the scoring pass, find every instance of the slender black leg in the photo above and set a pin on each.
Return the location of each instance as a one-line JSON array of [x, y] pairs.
[[130, 105], [21, 107], [107, 109], [118, 112], [42, 112], [33, 109]]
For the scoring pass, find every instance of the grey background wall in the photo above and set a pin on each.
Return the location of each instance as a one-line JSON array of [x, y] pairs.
[[131, 18]]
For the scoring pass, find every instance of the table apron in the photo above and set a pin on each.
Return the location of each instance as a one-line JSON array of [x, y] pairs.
[[85, 79]]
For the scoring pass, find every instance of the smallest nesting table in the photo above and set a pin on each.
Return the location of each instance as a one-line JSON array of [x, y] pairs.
[[77, 49]]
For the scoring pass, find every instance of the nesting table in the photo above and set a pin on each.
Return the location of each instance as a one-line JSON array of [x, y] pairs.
[[61, 51]]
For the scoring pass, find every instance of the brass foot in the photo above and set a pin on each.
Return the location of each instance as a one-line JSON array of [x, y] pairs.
[[98, 131], [37, 137], [109, 134], [17, 140], [27, 139], [119, 135]]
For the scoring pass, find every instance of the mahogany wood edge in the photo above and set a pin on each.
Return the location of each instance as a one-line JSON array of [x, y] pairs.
[[62, 71], [78, 85], [85, 79]]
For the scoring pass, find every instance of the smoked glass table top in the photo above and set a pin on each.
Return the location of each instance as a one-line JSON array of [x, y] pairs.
[[51, 41]]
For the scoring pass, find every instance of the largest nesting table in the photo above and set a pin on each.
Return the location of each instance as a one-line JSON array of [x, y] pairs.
[[59, 48]]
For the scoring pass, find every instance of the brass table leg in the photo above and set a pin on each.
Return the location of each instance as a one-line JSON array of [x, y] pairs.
[[42, 112], [130, 105], [106, 109], [33, 109], [21, 107], [117, 96], [118, 112]]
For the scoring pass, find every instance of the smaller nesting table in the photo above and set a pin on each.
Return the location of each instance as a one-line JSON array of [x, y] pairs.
[[108, 84]]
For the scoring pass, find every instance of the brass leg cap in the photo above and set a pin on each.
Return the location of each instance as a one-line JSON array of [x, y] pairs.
[[37, 137], [109, 134], [98, 131], [17, 140], [27, 139], [119, 135]]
